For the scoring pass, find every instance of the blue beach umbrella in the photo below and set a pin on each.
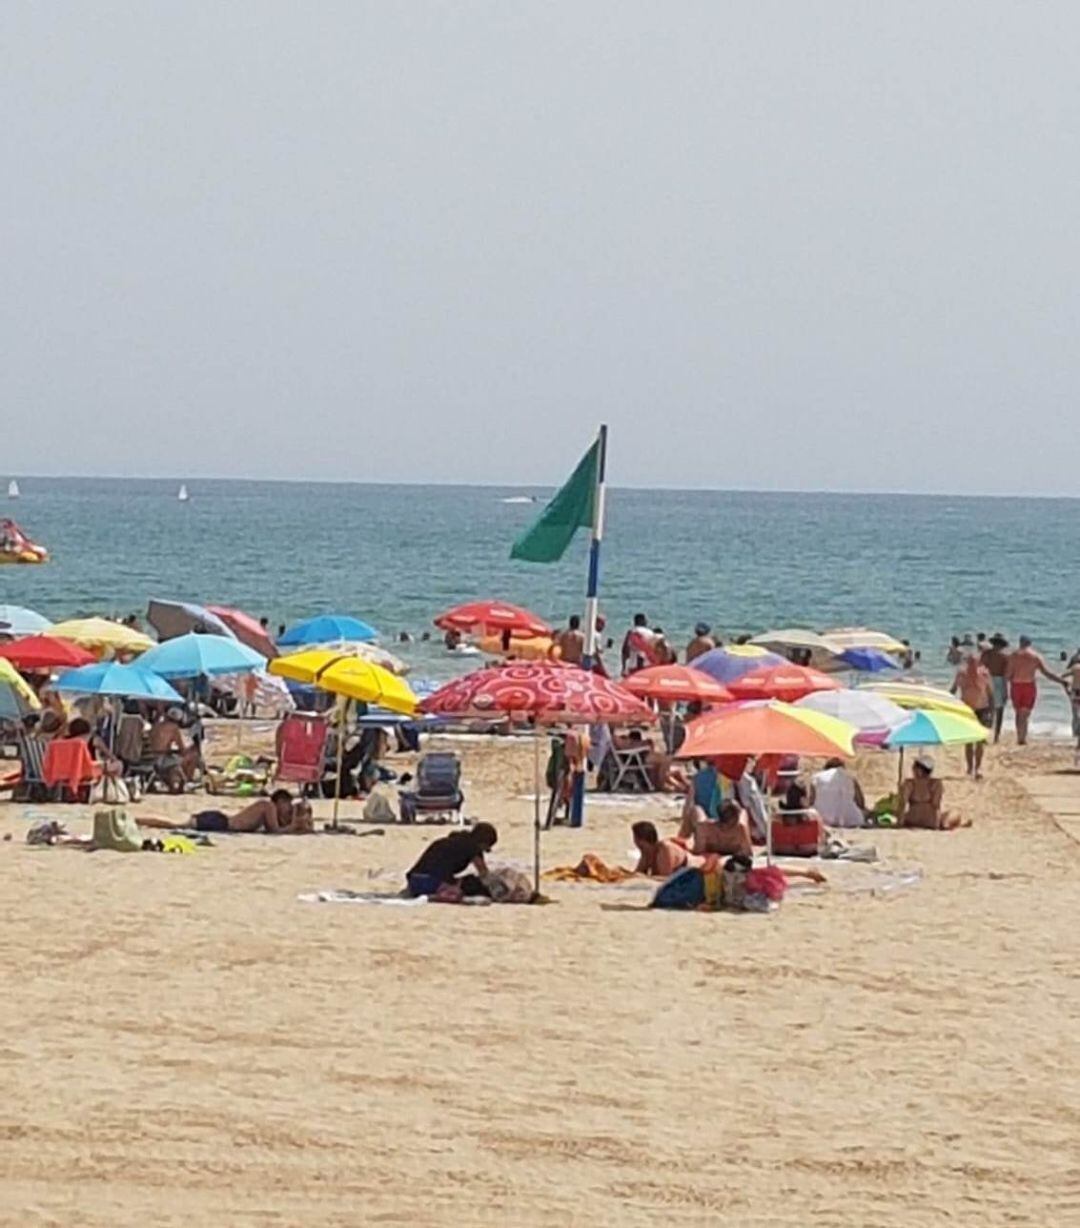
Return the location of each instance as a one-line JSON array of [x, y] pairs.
[[328, 629], [867, 660], [110, 678], [195, 655], [729, 664], [17, 620]]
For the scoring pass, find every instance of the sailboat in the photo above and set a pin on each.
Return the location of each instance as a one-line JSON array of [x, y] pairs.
[[13, 489], [182, 493]]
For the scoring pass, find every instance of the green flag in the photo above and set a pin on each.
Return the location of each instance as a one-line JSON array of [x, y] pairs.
[[570, 509]]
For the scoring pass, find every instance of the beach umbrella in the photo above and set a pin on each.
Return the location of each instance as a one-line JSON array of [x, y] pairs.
[[17, 697], [259, 688], [247, 629], [772, 728], [545, 693], [327, 629], [676, 684], [866, 660], [45, 652], [111, 678], [349, 678], [195, 656], [787, 682], [727, 664], [917, 695], [932, 727], [171, 619], [794, 637], [16, 620], [492, 618], [864, 637], [101, 635], [873, 715]]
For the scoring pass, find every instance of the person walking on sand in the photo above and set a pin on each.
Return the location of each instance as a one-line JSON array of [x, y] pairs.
[[973, 684], [1024, 666], [1072, 686], [996, 660]]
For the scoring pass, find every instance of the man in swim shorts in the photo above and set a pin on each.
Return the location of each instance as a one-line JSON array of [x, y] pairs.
[[996, 660], [277, 815], [1024, 664]]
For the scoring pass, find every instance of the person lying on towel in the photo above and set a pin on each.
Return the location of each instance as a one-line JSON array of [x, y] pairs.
[[440, 868], [278, 815]]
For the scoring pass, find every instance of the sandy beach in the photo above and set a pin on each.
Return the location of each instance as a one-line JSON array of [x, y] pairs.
[[185, 1041]]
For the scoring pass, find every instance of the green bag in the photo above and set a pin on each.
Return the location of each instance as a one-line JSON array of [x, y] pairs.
[[117, 830]]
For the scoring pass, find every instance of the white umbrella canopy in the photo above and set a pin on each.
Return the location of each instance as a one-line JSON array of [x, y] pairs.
[[371, 653], [868, 711], [796, 637]]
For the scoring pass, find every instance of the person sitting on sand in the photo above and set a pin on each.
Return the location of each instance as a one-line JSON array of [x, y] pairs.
[[175, 762], [921, 796], [728, 834], [443, 863], [277, 815], [659, 858], [837, 796]]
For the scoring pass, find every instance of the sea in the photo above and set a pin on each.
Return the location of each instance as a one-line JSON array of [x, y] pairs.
[[921, 567]]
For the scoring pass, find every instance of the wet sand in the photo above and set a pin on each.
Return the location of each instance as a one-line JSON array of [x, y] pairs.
[[185, 1042]]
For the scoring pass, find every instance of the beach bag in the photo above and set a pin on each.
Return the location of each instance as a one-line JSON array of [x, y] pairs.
[[684, 889], [509, 886], [116, 830], [109, 791], [379, 809]]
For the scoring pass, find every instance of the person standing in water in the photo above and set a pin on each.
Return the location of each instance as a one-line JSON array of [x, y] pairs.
[[1024, 666]]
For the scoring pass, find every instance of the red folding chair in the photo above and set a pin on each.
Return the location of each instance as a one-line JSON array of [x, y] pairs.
[[301, 745]]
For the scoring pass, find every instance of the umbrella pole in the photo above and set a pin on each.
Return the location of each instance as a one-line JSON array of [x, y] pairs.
[[342, 713], [900, 772], [536, 807]]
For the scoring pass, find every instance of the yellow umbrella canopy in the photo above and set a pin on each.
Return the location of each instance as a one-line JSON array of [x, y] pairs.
[[11, 677], [796, 637], [842, 638], [348, 676], [100, 633], [912, 695]]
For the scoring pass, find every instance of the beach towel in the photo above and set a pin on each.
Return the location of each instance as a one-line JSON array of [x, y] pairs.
[[589, 869]]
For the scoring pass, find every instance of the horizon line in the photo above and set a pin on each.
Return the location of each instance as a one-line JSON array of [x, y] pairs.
[[527, 487]]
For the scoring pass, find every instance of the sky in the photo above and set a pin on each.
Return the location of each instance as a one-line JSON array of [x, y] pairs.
[[773, 245]]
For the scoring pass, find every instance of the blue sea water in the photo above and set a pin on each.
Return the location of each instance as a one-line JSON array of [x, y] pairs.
[[920, 567]]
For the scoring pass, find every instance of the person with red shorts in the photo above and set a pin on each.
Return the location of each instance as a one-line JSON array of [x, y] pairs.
[[1023, 667]]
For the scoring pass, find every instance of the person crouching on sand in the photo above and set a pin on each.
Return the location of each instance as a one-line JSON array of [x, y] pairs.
[[441, 867]]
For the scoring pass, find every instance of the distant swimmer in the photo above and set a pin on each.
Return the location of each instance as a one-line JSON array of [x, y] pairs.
[[1024, 665], [571, 642]]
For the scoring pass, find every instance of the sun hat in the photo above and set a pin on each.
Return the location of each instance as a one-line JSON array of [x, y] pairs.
[[925, 762]]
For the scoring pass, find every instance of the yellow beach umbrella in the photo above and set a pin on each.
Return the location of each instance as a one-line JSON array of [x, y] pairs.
[[350, 678], [100, 634], [10, 677], [863, 637], [912, 695]]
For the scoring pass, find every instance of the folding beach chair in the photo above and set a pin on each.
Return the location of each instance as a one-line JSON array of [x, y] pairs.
[[31, 787], [438, 789], [69, 768], [301, 746]]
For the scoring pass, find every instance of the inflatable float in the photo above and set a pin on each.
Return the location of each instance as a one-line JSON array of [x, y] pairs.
[[16, 547]]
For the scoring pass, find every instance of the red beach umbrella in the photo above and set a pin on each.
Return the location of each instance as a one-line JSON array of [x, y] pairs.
[[786, 682], [247, 629], [677, 684], [45, 652], [492, 618], [546, 692]]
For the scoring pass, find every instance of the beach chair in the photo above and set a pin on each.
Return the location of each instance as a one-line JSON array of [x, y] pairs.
[[69, 769], [301, 746], [31, 786], [133, 751], [438, 789]]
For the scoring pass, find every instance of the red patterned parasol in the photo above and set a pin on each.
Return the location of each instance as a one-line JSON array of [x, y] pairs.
[[543, 691], [492, 618], [786, 682]]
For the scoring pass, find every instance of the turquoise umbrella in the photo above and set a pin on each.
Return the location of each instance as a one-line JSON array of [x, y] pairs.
[[110, 678], [196, 656]]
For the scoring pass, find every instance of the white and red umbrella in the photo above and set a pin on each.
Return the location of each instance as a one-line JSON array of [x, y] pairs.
[[492, 618], [546, 693], [677, 684]]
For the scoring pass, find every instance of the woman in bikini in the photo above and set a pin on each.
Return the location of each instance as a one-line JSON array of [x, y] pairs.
[[921, 797]]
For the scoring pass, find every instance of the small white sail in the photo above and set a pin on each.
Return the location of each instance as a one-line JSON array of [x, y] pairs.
[[182, 493], [13, 489]]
